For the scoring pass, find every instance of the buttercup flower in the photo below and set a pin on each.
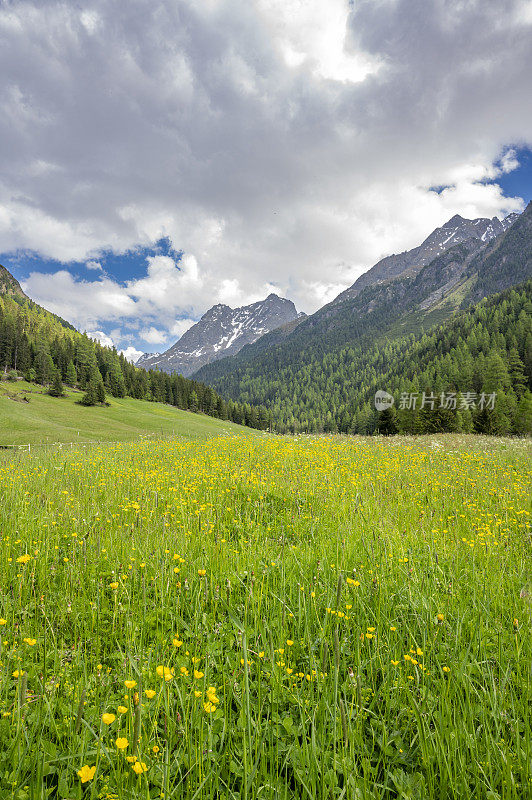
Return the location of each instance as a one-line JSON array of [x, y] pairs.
[[121, 743], [165, 672], [86, 773]]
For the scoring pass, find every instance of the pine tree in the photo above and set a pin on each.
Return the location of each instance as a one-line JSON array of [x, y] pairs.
[[117, 384], [387, 422], [522, 423], [193, 401], [100, 392], [71, 376], [56, 389], [516, 370], [89, 398]]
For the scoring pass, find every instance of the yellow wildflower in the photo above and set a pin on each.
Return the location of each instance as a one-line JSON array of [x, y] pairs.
[[165, 672], [86, 773]]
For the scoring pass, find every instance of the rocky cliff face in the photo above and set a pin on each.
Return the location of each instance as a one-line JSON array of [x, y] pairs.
[[222, 331]]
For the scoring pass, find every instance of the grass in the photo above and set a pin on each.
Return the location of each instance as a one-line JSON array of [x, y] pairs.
[[267, 618], [47, 420]]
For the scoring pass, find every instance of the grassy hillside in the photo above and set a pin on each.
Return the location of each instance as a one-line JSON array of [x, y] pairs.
[[40, 419]]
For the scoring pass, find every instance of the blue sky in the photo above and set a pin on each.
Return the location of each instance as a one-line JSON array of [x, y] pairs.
[[518, 183], [121, 267]]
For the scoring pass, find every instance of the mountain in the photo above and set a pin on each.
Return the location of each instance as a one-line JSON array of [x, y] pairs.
[[455, 231], [222, 331], [9, 285], [309, 379]]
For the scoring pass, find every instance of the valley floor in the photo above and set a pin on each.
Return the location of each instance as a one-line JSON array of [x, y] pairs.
[[267, 617]]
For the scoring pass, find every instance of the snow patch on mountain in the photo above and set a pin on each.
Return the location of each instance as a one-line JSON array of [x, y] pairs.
[[222, 331]]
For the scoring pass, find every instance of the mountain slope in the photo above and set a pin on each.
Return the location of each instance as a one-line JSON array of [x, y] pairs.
[[9, 285], [302, 379], [222, 331], [455, 231]]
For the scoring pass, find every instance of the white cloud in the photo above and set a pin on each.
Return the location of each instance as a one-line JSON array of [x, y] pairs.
[[180, 327], [153, 336], [132, 354], [83, 303], [94, 266], [278, 143], [101, 337]]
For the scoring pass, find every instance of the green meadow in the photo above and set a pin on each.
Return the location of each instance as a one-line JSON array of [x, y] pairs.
[[263, 617], [28, 415]]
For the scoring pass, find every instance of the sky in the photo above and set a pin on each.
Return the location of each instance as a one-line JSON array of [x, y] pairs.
[[161, 156]]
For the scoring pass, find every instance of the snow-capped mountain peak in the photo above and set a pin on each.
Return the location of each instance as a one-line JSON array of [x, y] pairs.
[[455, 231], [222, 331]]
